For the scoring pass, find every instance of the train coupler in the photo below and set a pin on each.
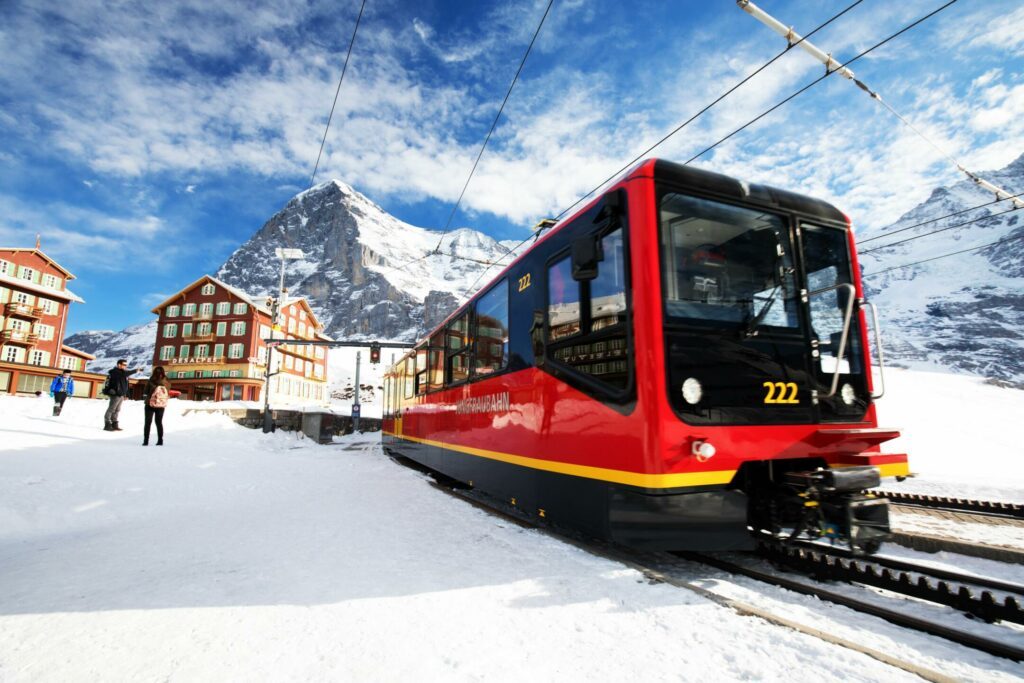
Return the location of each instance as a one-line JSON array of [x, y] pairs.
[[835, 506]]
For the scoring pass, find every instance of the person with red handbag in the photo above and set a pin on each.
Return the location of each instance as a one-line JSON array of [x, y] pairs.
[[155, 396]]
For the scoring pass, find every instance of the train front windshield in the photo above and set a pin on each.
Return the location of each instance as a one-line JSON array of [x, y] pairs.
[[737, 325]]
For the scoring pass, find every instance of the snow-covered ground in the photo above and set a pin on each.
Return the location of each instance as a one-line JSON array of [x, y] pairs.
[[230, 554]]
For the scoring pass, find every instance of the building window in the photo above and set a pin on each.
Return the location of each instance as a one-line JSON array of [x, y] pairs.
[[188, 309], [236, 350], [173, 311], [49, 307], [4, 295], [241, 309], [302, 330], [30, 384], [264, 332], [184, 351], [166, 352], [289, 362], [204, 329], [70, 363], [235, 373], [51, 282], [202, 350], [224, 308], [45, 332], [23, 298], [318, 371], [37, 358], [186, 329], [238, 328], [170, 330], [27, 274], [6, 267], [208, 289], [291, 325], [319, 352], [12, 354], [206, 310], [261, 355], [218, 350]]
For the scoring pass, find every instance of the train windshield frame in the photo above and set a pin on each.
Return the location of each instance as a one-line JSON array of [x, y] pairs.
[[739, 317]]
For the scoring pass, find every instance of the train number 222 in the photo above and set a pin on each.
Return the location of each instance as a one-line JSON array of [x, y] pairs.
[[524, 282], [780, 392]]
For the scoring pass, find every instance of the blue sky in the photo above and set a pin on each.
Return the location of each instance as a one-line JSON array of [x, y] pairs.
[[146, 141]]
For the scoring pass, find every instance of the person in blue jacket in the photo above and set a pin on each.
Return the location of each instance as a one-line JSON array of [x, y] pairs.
[[60, 388]]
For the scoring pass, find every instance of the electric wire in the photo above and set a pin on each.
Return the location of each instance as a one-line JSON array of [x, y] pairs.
[[494, 125], [819, 80], [954, 253], [940, 218], [774, 107], [690, 120], [933, 232], [316, 166]]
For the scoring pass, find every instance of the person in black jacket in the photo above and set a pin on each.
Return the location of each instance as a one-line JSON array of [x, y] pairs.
[[116, 387]]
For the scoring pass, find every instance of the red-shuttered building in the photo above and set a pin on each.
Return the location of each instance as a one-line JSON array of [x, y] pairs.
[[210, 342], [34, 306]]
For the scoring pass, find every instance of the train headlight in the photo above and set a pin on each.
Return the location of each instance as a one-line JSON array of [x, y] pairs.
[[703, 450], [848, 394], [692, 391]]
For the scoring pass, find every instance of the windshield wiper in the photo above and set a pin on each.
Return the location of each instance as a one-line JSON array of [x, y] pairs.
[[778, 268]]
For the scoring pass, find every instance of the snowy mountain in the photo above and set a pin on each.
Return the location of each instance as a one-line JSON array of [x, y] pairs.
[[963, 313], [135, 344], [366, 273]]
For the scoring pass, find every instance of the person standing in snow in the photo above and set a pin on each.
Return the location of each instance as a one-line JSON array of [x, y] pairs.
[[60, 388], [155, 396], [116, 387]]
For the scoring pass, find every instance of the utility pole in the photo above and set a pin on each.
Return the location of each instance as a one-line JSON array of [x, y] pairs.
[[275, 307], [355, 406], [832, 66]]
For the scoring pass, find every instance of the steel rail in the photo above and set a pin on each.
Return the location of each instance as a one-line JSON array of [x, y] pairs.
[[979, 507]]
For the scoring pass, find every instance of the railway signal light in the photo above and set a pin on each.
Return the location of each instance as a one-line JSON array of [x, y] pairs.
[[374, 353]]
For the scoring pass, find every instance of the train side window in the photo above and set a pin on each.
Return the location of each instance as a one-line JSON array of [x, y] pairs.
[[586, 320], [409, 374], [608, 289], [490, 331], [436, 361], [457, 349], [421, 371], [387, 397], [563, 301]]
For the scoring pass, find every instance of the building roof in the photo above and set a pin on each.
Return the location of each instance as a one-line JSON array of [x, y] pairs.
[[75, 352], [66, 294], [53, 263], [209, 278]]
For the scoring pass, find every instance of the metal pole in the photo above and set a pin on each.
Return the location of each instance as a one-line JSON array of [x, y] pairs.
[[358, 409], [268, 419]]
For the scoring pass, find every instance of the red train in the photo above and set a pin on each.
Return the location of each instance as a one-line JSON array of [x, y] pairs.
[[682, 364]]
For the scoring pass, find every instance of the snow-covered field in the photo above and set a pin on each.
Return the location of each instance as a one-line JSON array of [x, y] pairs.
[[232, 555]]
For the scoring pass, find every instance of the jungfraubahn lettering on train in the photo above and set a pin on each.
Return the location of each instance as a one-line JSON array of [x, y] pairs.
[[683, 363]]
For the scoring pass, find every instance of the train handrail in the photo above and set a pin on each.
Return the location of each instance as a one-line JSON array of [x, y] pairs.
[[844, 337], [877, 329]]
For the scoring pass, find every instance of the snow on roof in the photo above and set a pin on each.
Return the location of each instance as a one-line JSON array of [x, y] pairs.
[[53, 263], [56, 293], [209, 278], [75, 352]]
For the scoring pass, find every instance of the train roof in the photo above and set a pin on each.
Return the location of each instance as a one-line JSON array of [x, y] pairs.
[[687, 176], [727, 186]]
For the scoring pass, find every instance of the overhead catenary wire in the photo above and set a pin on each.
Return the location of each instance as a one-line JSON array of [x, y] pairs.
[[954, 253], [831, 66], [344, 69], [771, 109], [690, 120], [934, 220], [933, 232], [494, 124]]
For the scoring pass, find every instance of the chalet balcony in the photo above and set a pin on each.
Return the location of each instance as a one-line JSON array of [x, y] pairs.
[[18, 310], [19, 337], [208, 337], [202, 316]]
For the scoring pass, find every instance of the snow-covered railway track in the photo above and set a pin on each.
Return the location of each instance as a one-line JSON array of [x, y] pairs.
[[980, 508], [678, 570]]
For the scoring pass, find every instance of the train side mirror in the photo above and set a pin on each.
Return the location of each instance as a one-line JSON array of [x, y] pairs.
[[586, 254]]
